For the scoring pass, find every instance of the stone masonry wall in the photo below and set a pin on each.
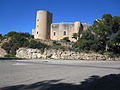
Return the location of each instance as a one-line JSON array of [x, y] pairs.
[[59, 54]]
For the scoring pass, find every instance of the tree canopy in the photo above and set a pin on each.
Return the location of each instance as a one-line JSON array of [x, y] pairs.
[[104, 32]]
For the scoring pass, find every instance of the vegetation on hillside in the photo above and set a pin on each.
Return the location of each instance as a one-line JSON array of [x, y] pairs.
[[15, 40], [102, 36]]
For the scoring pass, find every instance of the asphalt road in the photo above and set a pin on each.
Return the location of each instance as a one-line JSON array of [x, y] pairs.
[[26, 72]]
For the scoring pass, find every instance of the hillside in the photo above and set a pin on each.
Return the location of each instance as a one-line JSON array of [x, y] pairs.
[[14, 40], [102, 37]]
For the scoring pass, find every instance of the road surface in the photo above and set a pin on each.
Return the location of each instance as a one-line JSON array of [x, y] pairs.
[[26, 72]]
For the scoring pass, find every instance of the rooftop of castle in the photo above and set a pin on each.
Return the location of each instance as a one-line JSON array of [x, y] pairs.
[[66, 22], [43, 11]]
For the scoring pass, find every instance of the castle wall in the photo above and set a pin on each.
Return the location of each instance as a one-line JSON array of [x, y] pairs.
[[85, 26], [61, 30]]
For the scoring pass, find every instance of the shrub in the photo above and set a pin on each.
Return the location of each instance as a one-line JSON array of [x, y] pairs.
[[36, 45], [10, 56], [16, 34], [111, 54], [56, 43], [66, 39]]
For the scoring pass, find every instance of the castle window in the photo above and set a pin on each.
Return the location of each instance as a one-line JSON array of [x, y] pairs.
[[64, 33], [54, 33], [37, 32], [37, 19]]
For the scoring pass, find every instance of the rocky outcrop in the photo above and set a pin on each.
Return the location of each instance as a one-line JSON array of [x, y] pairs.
[[59, 54], [2, 52]]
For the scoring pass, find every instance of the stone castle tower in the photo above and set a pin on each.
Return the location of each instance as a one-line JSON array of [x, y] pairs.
[[43, 24], [45, 29]]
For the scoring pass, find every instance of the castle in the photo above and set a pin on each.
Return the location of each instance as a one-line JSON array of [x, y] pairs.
[[45, 29]]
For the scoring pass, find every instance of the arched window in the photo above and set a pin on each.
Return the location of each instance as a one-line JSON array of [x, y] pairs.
[[64, 33]]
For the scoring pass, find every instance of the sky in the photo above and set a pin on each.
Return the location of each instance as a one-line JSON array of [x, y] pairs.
[[20, 15]]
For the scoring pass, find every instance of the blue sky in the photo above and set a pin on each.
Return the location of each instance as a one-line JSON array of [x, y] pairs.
[[19, 15]]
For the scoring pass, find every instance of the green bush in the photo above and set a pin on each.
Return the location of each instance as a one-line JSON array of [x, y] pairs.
[[16, 40], [56, 43], [111, 54], [14, 43], [1, 37], [65, 39], [36, 45], [10, 56], [14, 34]]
